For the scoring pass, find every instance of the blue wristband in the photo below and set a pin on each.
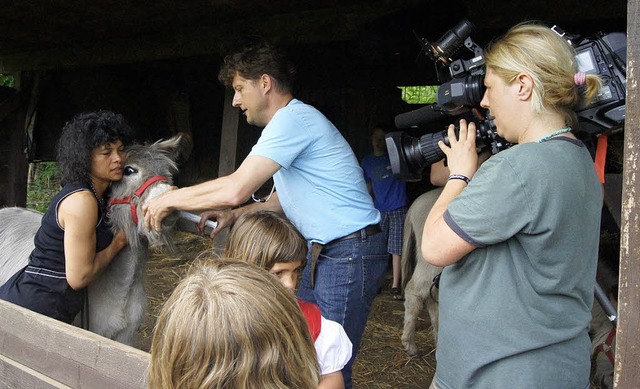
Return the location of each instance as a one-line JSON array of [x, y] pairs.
[[459, 177]]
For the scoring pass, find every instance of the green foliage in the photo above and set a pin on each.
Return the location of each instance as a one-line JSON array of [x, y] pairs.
[[6, 80], [419, 94], [43, 186]]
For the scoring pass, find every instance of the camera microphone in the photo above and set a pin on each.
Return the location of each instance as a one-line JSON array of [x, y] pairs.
[[450, 42], [424, 115]]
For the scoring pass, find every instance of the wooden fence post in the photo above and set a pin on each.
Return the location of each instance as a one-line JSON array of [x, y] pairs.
[[627, 358]]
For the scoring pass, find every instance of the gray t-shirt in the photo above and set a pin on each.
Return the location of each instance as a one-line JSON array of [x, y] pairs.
[[514, 313]]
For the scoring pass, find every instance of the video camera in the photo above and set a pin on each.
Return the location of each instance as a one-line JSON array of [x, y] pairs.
[[606, 56], [463, 90]]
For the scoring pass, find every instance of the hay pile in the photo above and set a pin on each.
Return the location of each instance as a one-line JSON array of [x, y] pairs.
[[381, 363]]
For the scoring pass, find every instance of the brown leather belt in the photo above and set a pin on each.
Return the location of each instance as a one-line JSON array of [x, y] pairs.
[[316, 248]]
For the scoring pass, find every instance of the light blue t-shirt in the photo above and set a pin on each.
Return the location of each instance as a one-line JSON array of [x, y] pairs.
[[320, 185]]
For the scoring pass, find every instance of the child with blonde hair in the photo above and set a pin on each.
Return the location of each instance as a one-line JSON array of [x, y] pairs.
[[268, 240], [229, 324]]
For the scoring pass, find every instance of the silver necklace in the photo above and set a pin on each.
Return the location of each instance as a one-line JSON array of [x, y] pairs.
[[100, 201], [547, 137]]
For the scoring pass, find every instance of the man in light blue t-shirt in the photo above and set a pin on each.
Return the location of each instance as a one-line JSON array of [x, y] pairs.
[[319, 186]]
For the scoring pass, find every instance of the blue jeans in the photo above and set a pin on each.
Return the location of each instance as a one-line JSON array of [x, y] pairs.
[[348, 275]]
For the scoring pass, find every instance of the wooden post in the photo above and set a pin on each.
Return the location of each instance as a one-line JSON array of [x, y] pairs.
[[228, 146], [627, 357], [229, 137], [18, 169]]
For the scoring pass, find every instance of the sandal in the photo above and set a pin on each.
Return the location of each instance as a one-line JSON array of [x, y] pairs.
[[397, 295]]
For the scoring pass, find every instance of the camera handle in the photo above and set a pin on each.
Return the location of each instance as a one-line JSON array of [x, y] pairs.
[[460, 67], [606, 305]]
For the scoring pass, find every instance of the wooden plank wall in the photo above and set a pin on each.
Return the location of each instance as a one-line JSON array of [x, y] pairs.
[[627, 358], [39, 352], [13, 161]]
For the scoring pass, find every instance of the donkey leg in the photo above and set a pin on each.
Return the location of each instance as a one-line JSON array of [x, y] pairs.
[[413, 303], [432, 308], [134, 312]]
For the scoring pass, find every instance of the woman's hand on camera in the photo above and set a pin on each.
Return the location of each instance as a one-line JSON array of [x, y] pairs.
[[462, 157]]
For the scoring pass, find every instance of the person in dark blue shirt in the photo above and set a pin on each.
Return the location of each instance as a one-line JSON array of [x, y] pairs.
[[390, 198]]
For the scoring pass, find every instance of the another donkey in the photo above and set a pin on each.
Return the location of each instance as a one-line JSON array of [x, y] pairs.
[[417, 274], [117, 300]]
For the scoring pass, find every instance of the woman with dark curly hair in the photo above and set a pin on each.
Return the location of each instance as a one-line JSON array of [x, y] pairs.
[[74, 242]]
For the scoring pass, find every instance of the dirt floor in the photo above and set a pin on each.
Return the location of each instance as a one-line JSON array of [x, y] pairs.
[[381, 363]]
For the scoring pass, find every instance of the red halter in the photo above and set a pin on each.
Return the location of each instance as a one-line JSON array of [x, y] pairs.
[[135, 198], [606, 346]]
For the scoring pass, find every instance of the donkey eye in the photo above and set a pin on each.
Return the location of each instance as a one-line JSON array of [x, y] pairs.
[[128, 170]]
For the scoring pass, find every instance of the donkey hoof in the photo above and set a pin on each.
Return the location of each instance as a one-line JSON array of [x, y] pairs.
[[411, 349]]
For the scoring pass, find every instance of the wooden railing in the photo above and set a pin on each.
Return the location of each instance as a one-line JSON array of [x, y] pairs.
[[39, 352]]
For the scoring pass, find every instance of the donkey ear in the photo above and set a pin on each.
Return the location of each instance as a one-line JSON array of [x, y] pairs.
[[177, 147]]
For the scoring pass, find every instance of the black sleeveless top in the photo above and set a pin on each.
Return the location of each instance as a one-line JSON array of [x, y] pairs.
[[42, 285], [49, 240]]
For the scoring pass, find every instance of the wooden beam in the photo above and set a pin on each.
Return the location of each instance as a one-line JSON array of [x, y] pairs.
[[327, 24], [18, 164], [228, 147], [37, 351], [627, 357], [229, 137], [17, 375]]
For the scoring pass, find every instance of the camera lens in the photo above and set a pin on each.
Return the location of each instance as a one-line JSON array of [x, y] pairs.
[[429, 150]]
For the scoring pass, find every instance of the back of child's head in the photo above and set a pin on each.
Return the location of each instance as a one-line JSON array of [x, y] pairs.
[[265, 238], [230, 324]]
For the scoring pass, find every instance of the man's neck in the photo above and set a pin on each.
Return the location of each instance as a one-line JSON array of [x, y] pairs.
[[278, 101], [282, 100]]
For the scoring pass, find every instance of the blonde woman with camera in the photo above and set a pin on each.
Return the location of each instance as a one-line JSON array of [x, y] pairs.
[[518, 236]]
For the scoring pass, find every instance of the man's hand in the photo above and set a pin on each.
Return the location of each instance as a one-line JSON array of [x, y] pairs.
[[156, 209], [225, 219]]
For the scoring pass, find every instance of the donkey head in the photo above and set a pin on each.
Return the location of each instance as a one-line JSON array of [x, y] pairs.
[[148, 172]]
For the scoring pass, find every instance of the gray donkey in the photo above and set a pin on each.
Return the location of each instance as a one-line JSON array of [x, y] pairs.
[[117, 300], [417, 274]]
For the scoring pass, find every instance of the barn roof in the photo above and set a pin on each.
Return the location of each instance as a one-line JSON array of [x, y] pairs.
[[36, 34]]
